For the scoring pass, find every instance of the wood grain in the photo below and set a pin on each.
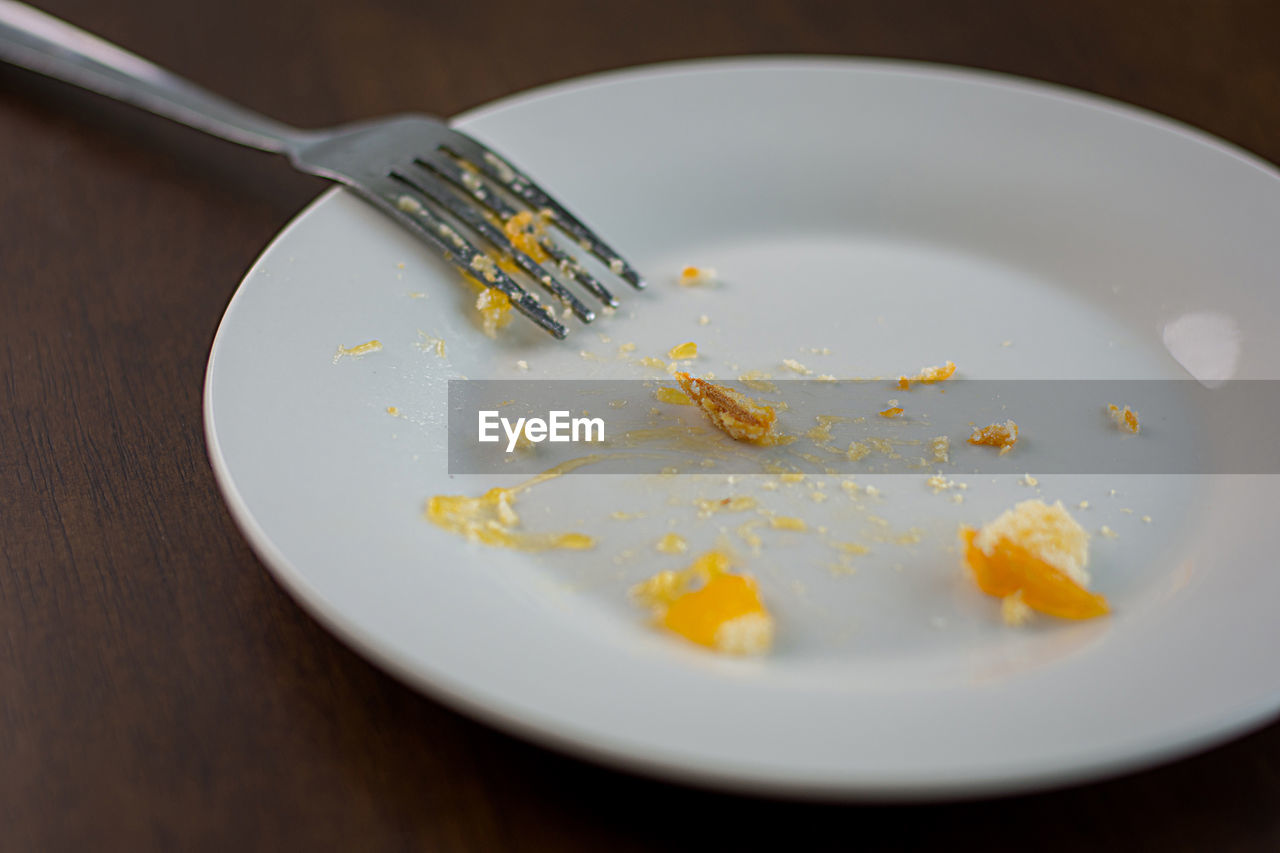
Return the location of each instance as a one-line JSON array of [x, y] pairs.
[[158, 691]]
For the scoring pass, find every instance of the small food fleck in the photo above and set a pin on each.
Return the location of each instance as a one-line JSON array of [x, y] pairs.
[[1125, 419], [683, 351], [796, 367], [393, 411], [787, 522], [694, 276], [928, 375], [672, 543], [358, 350], [891, 412], [1003, 436]]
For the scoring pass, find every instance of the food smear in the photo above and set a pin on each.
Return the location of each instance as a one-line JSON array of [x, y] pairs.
[[491, 519], [1034, 556], [710, 606]]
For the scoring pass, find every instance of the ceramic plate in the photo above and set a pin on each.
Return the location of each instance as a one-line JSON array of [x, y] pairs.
[[865, 218]]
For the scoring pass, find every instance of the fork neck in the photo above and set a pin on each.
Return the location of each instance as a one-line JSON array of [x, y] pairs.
[[45, 44]]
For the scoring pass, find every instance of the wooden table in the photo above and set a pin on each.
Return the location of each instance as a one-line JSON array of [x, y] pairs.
[[158, 690]]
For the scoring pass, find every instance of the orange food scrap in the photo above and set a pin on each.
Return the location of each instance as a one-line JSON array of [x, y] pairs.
[[683, 351], [725, 613], [1125, 419], [734, 414], [891, 412], [1003, 436], [692, 276], [1034, 555], [928, 375]]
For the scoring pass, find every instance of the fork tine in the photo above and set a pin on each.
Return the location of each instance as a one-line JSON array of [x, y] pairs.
[[525, 188], [433, 187], [471, 183], [521, 185], [409, 207]]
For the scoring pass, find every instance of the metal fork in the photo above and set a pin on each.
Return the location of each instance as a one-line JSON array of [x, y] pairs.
[[445, 187]]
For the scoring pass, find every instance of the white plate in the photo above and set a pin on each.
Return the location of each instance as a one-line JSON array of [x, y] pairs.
[[929, 214]]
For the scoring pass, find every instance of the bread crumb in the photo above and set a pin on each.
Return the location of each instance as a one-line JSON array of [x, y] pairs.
[[796, 367], [1028, 480], [1108, 532], [522, 365], [704, 320], [393, 411], [683, 351]]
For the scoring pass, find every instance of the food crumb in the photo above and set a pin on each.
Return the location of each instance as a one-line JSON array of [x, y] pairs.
[[1108, 532], [1028, 480], [796, 367], [1014, 610], [683, 351], [891, 412], [693, 276], [522, 365], [672, 543], [393, 411], [1003, 436], [1125, 419], [704, 320], [358, 350]]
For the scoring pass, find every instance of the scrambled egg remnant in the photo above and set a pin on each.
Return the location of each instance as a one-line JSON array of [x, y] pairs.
[[1125, 419], [725, 613], [1037, 553], [491, 519], [1003, 436], [734, 414]]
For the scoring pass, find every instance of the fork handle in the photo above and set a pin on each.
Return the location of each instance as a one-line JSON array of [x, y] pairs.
[[43, 43]]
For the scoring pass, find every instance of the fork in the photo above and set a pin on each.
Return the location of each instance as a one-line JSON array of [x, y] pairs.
[[448, 189]]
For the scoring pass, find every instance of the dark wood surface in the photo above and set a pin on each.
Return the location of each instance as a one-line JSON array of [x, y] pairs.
[[159, 691]]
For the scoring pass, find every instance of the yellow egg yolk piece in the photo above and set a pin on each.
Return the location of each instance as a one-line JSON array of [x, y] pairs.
[[1010, 568], [725, 613]]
